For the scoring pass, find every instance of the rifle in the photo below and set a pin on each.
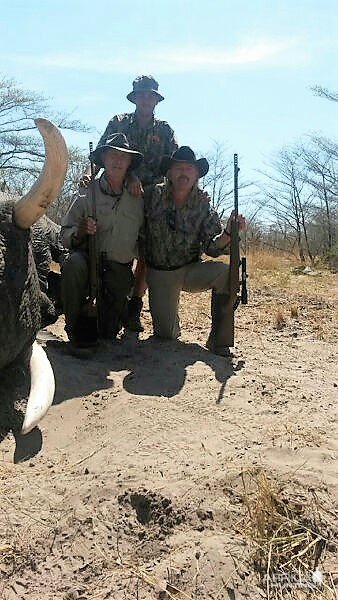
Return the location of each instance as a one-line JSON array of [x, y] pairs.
[[237, 286], [89, 326], [92, 238]]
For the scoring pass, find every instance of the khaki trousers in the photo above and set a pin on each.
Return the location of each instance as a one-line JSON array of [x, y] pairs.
[[165, 288]]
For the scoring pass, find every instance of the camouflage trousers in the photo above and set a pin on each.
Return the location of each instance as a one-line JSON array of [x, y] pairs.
[[165, 288]]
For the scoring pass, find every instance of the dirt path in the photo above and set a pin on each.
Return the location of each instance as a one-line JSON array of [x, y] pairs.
[[136, 477]]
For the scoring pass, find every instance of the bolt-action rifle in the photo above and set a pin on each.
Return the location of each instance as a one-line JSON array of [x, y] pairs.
[[237, 284], [89, 325]]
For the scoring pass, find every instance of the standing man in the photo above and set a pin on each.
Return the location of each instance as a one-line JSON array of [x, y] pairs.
[[155, 139], [119, 218], [180, 225]]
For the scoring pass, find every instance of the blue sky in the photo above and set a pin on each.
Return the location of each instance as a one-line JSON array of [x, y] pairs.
[[236, 72]]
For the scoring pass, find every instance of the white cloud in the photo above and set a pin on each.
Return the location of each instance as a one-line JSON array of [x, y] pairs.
[[169, 60]]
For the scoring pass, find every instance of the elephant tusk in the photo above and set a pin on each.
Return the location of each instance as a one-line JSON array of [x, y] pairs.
[[42, 388], [34, 204]]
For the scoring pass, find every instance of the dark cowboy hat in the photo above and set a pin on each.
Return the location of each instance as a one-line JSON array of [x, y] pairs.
[[184, 154], [118, 141], [144, 83]]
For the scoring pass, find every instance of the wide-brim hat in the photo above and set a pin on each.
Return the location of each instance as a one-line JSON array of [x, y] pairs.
[[184, 154], [144, 83], [118, 141]]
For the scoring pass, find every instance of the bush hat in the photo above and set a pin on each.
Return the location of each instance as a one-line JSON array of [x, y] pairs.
[[144, 83], [118, 141], [184, 154]]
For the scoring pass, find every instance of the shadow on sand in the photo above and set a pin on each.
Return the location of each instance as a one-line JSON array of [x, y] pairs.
[[154, 368]]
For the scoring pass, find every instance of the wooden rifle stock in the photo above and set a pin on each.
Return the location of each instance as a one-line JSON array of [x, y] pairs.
[[88, 327], [92, 238], [94, 275], [236, 262]]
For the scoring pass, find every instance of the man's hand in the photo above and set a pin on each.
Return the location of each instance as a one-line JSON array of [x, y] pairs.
[[203, 195], [224, 239], [86, 176], [84, 180], [86, 227], [240, 220], [134, 185]]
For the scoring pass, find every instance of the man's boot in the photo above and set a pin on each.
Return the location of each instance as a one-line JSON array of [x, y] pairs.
[[218, 341], [80, 349], [133, 322]]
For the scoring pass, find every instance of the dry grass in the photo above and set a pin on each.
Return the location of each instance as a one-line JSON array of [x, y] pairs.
[[277, 290], [294, 436], [264, 260], [280, 298], [280, 320], [290, 539], [294, 311]]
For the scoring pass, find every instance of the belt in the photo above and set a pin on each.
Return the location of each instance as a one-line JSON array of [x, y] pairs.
[[161, 268], [110, 263]]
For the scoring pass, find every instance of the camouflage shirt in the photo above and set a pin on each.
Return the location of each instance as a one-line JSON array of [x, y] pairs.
[[154, 141], [174, 236]]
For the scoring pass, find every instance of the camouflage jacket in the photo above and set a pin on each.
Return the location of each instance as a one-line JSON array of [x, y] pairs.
[[154, 142], [173, 236]]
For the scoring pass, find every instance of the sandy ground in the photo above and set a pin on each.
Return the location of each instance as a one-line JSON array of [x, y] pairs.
[[135, 482]]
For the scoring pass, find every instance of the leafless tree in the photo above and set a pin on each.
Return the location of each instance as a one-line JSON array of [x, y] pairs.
[[290, 200], [325, 93], [21, 149], [302, 192], [219, 179], [78, 160], [219, 183], [321, 175]]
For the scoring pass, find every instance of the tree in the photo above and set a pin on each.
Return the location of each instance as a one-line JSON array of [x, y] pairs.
[[290, 199], [21, 149], [321, 176], [302, 192], [78, 160], [325, 93], [218, 181]]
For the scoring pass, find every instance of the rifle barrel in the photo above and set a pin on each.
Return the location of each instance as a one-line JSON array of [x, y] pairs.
[[236, 169]]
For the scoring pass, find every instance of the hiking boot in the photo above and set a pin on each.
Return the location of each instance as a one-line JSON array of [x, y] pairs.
[[133, 319], [80, 348], [220, 336], [219, 350]]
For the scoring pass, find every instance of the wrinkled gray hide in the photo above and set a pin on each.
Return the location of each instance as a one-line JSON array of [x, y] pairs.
[[46, 247], [19, 289]]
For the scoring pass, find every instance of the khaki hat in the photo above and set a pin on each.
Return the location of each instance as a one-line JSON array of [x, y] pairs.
[[118, 141]]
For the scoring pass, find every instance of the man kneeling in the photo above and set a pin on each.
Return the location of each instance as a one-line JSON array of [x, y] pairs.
[[119, 217], [180, 225]]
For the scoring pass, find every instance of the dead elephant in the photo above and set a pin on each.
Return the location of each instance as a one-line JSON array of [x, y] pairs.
[[20, 297]]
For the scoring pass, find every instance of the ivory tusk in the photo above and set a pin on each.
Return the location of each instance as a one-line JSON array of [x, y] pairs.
[[42, 388], [50, 181]]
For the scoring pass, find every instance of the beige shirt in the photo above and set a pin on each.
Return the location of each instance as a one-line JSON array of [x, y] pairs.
[[119, 220]]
